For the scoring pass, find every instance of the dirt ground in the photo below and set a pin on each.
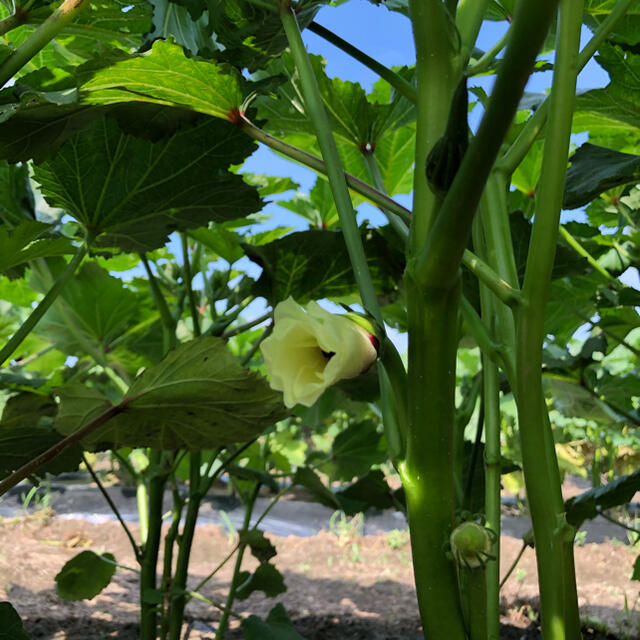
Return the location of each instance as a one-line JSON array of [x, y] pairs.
[[339, 587]]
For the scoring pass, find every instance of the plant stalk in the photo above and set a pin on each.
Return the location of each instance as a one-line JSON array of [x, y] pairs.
[[542, 478], [43, 306], [148, 575], [179, 585], [33, 465], [37, 40], [317, 164], [335, 172]]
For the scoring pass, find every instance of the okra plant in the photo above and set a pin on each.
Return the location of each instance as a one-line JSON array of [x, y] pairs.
[[132, 323]]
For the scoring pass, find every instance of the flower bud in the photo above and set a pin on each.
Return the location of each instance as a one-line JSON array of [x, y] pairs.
[[311, 349], [471, 544]]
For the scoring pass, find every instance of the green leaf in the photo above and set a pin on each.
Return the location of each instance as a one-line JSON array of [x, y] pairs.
[[171, 20], [261, 547], [265, 578], [314, 264], [166, 76], [613, 110], [587, 505], [29, 241], [277, 626], [16, 199], [198, 397], [224, 242], [85, 576], [253, 476], [137, 192], [11, 627], [636, 569], [26, 431], [250, 34], [594, 170], [355, 450], [94, 308], [369, 491], [309, 479]]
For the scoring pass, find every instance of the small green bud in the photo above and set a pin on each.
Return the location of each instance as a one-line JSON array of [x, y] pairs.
[[471, 544]]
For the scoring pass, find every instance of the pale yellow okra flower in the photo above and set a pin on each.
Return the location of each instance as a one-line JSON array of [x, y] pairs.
[[309, 350]]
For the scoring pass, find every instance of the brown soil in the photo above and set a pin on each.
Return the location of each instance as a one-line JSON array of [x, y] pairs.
[[339, 588]]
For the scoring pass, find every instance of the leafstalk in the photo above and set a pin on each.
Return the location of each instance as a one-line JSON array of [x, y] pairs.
[[33, 465], [394, 79], [317, 164], [37, 40], [43, 306], [553, 535], [395, 221], [114, 508], [469, 17], [188, 277], [335, 172], [485, 274], [489, 56], [168, 321]]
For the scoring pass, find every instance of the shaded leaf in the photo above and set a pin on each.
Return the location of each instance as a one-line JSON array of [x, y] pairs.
[[85, 576], [309, 479], [133, 193], [198, 397], [29, 241], [277, 626], [260, 546], [369, 491], [314, 264], [636, 569], [11, 627], [355, 450], [594, 170], [587, 505], [265, 578], [16, 199]]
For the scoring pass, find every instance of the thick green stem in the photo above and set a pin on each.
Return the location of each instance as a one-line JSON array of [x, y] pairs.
[[36, 41], [142, 501], [43, 306], [395, 80], [148, 577], [428, 474], [521, 145], [335, 172], [439, 258], [179, 586], [540, 466], [473, 588], [437, 76]]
